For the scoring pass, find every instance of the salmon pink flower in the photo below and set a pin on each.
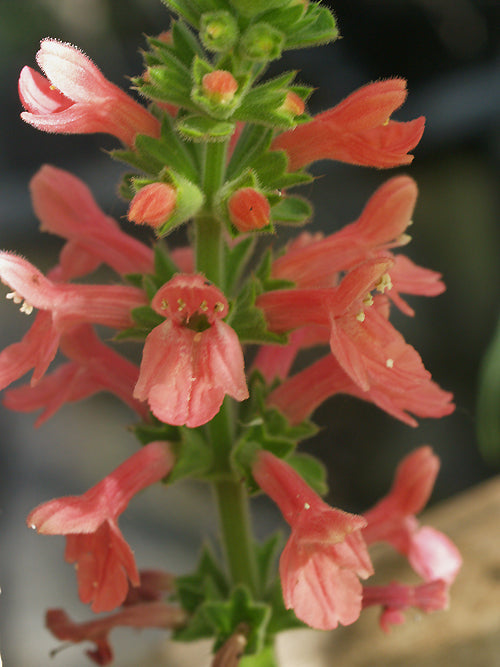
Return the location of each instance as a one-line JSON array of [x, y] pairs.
[[396, 598], [357, 131], [94, 367], [142, 615], [62, 307], [104, 560], [431, 554], [325, 554], [193, 359], [65, 206], [76, 98]]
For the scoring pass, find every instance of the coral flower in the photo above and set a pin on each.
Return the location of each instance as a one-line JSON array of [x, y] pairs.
[[76, 98], [193, 359], [357, 130], [104, 560], [431, 554], [325, 554], [65, 206]]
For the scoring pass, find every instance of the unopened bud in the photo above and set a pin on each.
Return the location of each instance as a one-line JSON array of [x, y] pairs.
[[219, 86], [248, 210], [294, 104], [218, 31], [153, 205], [262, 42]]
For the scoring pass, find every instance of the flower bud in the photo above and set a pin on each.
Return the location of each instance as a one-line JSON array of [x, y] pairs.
[[262, 42], [293, 104], [218, 31], [153, 205], [219, 86], [248, 209]]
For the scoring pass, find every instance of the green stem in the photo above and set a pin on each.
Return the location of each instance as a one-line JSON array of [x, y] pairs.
[[232, 501], [209, 249]]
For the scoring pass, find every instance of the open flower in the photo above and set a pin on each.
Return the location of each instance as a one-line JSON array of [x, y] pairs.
[[357, 130], [431, 554], [193, 359], [62, 306], [325, 554], [94, 367], [76, 98], [65, 206], [104, 560], [142, 615]]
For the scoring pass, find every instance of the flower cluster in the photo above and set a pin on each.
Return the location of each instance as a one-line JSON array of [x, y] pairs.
[[220, 150]]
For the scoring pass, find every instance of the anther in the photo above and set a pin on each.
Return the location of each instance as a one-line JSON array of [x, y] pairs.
[[218, 307], [384, 283], [164, 304], [181, 304], [361, 316], [389, 363], [204, 306]]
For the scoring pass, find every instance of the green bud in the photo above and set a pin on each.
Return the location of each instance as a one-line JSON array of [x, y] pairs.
[[262, 42], [218, 31]]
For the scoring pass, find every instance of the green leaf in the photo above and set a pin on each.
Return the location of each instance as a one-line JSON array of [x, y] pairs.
[[293, 210], [156, 430], [226, 616], [266, 556], [146, 317], [167, 151], [236, 260], [186, 45], [317, 27], [165, 268], [194, 457], [248, 321], [254, 140], [311, 470], [204, 128], [184, 8], [488, 403]]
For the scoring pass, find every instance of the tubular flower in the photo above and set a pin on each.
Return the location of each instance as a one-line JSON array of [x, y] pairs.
[[431, 554], [62, 307], [143, 615], [396, 598], [76, 98], [193, 359], [65, 206], [104, 560], [357, 131], [325, 554], [94, 367]]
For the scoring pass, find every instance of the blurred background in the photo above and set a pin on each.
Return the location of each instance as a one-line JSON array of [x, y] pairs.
[[448, 50]]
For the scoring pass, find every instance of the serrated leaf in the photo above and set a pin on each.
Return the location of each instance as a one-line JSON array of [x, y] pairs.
[[236, 260], [292, 210], [145, 163], [204, 128], [317, 27], [254, 140], [156, 430], [249, 321], [185, 9], [266, 554], [186, 44], [194, 457]]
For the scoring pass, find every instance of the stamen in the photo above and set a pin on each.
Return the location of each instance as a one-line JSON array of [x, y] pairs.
[[181, 304], [360, 316], [164, 304], [389, 363], [403, 239], [384, 283], [368, 300], [219, 307], [307, 506], [204, 306], [15, 296], [26, 308]]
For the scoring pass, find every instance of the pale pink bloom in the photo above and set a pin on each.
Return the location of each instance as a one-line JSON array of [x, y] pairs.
[[431, 554], [65, 206], [357, 130], [396, 598], [76, 98], [325, 554], [219, 86], [104, 561], [143, 615], [94, 367], [193, 359]]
